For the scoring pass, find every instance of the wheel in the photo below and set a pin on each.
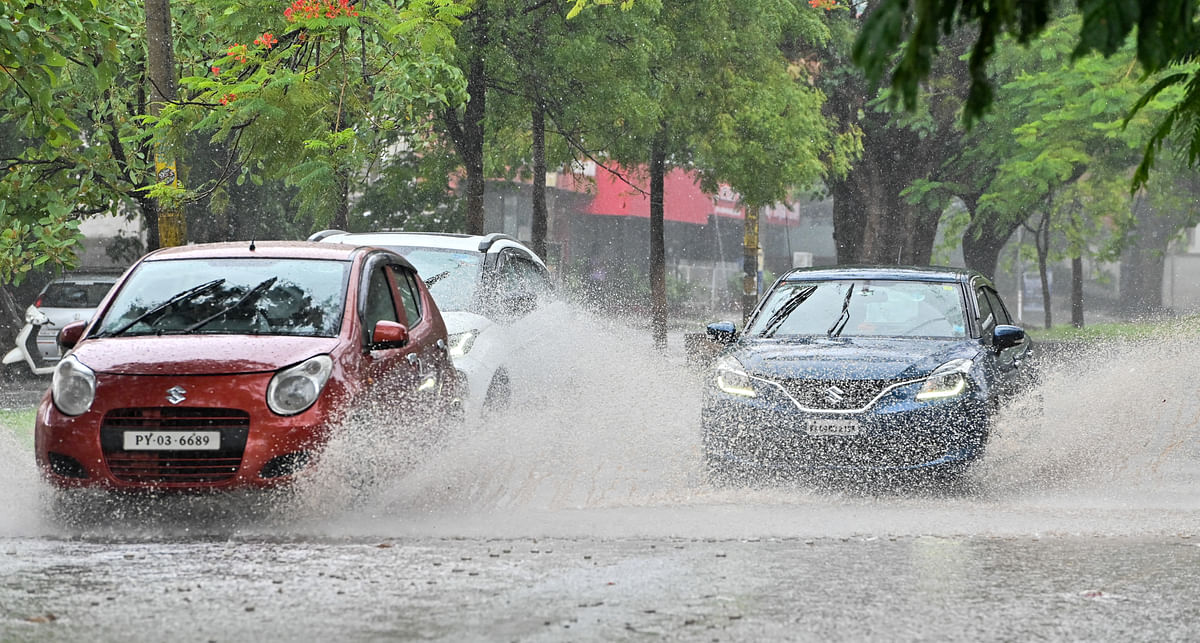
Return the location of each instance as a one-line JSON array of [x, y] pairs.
[[499, 393]]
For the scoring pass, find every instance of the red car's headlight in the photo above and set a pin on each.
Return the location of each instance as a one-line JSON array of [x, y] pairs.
[[295, 388], [73, 387]]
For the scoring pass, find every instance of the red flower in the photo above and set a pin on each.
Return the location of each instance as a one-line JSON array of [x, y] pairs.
[[266, 40], [216, 70]]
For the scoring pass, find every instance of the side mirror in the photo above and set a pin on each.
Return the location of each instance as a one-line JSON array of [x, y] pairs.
[[722, 332], [69, 336], [1006, 336], [387, 334]]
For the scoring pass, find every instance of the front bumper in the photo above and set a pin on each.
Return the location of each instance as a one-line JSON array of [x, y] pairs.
[[258, 448], [896, 433]]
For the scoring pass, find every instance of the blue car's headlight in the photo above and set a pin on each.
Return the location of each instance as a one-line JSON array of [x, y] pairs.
[[948, 380], [731, 378]]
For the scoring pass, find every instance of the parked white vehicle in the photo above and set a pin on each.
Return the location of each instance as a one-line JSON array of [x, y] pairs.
[[484, 286], [26, 349], [69, 298]]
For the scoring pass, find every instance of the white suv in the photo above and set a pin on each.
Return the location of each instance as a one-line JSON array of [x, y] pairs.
[[484, 286]]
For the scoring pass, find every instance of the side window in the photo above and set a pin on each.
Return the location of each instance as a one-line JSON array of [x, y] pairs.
[[998, 309], [379, 305], [987, 319], [410, 294]]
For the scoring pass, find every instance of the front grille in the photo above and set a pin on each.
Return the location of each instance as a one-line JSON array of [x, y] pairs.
[[834, 395], [175, 467], [797, 449]]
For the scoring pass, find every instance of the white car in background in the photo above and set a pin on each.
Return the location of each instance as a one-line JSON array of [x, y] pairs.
[[484, 285], [69, 298]]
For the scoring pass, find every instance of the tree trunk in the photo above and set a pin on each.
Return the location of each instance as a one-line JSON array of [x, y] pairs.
[[341, 218], [540, 216], [872, 222], [1077, 292], [1141, 282], [170, 225], [1042, 242], [658, 263], [466, 130], [750, 244]]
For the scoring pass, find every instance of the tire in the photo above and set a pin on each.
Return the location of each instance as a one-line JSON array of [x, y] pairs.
[[499, 393]]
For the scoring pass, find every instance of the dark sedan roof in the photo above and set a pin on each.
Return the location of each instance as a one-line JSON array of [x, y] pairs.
[[908, 273]]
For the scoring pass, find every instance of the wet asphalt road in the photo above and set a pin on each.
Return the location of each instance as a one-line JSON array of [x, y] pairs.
[[853, 589]]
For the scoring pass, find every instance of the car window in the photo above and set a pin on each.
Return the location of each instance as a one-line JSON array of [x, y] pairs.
[[452, 276], [862, 307], [259, 296], [380, 305], [997, 306], [69, 294], [987, 318], [410, 296]]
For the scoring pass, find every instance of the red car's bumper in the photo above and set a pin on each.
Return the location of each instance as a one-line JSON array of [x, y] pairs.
[[255, 447]]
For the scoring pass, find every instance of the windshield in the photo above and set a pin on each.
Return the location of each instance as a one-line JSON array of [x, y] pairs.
[[230, 296], [73, 294], [452, 275], [862, 308]]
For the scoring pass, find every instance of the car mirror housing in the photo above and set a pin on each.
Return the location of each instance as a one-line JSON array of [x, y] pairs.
[[722, 332], [69, 336], [388, 334], [1006, 336]]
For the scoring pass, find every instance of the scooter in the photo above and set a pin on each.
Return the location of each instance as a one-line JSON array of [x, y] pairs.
[[26, 349]]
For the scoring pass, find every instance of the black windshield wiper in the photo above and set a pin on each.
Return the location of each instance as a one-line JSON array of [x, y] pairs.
[[836, 328], [253, 292], [436, 278], [187, 294], [781, 313]]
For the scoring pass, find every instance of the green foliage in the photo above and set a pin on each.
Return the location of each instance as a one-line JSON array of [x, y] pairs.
[[57, 61], [319, 97], [1164, 32]]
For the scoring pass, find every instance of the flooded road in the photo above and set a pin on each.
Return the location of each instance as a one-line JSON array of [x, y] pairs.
[[582, 514]]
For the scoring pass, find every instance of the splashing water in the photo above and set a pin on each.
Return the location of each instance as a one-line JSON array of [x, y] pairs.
[[602, 440]]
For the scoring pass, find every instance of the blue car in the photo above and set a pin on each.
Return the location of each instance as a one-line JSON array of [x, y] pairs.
[[863, 369]]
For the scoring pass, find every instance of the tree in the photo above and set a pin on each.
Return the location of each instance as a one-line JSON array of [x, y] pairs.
[[1166, 36], [324, 96]]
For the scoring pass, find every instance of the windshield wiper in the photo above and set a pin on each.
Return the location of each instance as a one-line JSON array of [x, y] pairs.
[[185, 295], [836, 328], [253, 292], [436, 278], [781, 313]]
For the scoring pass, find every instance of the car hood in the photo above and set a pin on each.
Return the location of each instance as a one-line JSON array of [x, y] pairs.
[[458, 321], [198, 354], [880, 358]]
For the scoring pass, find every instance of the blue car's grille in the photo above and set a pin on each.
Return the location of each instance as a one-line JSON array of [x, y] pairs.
[[834, 395]]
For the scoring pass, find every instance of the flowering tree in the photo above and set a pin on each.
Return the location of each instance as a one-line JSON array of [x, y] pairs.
[[317, 93]]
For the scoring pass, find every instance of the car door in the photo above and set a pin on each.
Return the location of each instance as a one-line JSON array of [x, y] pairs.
[[426, 336], [1004, 367], [392, 368]]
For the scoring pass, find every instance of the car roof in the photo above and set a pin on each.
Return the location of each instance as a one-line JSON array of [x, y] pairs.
[[247, 249], [443, 240], [906, 273]]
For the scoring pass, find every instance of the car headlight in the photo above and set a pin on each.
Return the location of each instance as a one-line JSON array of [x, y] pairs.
[[73, 387], [462, 343], [295, 388], [948, 380], [731, 377]]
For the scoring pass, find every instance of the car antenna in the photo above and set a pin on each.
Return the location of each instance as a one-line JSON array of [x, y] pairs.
[[252, 245]]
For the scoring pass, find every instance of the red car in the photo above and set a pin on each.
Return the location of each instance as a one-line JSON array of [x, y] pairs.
[[227, 365]]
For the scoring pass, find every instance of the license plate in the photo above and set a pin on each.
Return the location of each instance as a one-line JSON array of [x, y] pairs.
[[172, 440], [832, 426]]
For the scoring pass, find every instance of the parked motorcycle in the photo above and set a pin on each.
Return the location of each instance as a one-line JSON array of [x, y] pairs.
[[26, 349]]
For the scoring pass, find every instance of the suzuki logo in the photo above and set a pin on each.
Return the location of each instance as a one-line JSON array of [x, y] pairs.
[[834, 394], [176, 394]]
